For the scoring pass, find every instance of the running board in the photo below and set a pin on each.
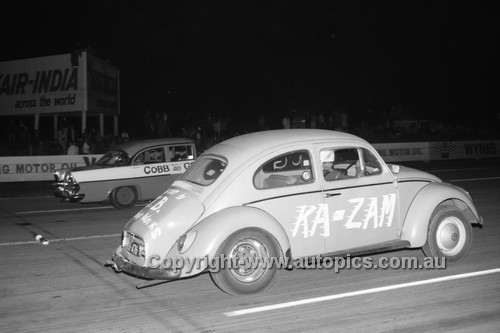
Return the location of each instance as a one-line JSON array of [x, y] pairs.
[[370, 249]]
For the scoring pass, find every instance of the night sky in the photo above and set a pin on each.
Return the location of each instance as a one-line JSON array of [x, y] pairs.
[[238, 59]]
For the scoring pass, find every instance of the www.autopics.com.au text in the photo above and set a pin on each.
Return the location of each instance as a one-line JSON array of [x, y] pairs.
[[215, 264]]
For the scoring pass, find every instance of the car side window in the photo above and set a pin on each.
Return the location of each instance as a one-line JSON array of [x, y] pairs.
[[139, 159], [114, 158], [293, 168], [372, 164], [180, 153], [150, 156], [340, 163]]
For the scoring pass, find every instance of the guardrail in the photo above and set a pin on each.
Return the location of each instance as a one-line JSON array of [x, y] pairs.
[[441, 150], [41, 168]]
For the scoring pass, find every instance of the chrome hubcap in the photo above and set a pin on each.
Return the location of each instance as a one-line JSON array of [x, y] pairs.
[[246, 260], [450, 236]]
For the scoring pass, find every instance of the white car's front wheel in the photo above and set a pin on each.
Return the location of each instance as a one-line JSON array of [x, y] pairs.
[[449, 235], [246, 265]]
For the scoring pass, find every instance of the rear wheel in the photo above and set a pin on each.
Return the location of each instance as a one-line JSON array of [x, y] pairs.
[[449, 235], [250, 275], [124, 197]]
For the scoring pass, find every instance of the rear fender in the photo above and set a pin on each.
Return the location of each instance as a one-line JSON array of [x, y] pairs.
[[424, 205], [215, 229]]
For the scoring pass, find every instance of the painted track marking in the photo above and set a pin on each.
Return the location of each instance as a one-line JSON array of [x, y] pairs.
[[358, 293], [473, 179], [59, 239], [68, 210], [61, 210]]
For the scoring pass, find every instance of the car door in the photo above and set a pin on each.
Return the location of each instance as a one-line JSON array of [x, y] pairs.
[[146, 167], [159, 166], [288, 190], [360, 196]]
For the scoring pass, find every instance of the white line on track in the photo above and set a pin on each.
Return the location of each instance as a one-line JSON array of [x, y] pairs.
[[63, 210], [27, 197], [473, 179], [69, 210], [457, 169], [59, 239], [358, 293]]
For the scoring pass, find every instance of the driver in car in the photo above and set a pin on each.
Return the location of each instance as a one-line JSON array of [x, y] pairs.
[[327, 159]]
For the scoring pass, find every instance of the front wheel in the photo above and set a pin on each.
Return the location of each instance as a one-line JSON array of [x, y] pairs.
[[248, 267], [124, 197], [449, 235]]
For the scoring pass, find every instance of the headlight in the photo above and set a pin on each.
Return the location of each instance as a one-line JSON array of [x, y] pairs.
[[58, 176], [72, 186], [185, 241]]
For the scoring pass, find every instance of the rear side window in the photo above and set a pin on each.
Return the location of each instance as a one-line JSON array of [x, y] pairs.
[[293, 168], [180, 153]]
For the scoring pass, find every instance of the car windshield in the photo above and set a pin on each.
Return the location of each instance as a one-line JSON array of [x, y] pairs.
[[114, 158], [205, 171]]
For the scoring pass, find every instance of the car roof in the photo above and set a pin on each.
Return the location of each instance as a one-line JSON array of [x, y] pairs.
[[133, 147], [242, 147]]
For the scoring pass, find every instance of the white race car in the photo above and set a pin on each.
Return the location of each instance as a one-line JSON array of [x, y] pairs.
[[291, 194], [131, 172]]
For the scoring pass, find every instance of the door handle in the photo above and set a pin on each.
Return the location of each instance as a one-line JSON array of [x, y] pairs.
[[327, 195]]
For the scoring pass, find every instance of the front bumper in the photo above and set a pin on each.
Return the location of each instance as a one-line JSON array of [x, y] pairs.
[[121, 264], [67, 192]]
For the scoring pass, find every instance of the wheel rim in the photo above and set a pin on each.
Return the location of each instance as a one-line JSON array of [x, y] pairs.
[[246, 260], [125, 196], [451, 236]]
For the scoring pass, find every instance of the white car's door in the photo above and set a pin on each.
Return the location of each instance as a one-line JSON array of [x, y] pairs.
[[289, 191], [359, 196]]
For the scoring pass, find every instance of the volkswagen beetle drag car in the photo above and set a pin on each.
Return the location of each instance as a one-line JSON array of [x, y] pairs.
[[291, 194], [131, 172]]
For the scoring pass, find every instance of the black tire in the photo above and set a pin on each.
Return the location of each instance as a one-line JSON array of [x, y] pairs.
[[449, 235], [124, 197], [245, 280]]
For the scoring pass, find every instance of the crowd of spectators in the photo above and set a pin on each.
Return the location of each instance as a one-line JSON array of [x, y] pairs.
[[21, 141], [375, 127]]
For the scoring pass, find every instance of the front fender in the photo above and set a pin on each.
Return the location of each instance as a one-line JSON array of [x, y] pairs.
[[419, 214], [216, 228], [94, 191]]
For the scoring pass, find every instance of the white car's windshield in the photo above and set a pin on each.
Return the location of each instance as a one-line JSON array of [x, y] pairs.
[[205, 171], [114, 158]]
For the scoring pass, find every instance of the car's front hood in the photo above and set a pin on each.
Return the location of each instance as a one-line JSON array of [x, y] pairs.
[[90, 167], [61, 173], [165, 219], [406, 173]]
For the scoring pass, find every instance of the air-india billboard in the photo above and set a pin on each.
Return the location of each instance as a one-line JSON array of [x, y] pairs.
[[60, 83]]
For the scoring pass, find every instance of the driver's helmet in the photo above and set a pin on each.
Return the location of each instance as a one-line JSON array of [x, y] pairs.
[[327, 156]]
